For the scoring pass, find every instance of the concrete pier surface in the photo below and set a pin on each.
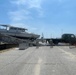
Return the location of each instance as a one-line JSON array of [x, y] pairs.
[[59, 60]]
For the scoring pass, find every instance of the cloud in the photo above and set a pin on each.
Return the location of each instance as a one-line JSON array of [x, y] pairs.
[[35, 3], [23, 9], [19, 15], [29, 3], [18, 2]]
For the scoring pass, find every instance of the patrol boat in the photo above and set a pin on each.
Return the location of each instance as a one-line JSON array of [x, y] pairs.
[[17, 32]]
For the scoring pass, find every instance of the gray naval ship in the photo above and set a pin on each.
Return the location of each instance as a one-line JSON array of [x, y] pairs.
[[17, 32]]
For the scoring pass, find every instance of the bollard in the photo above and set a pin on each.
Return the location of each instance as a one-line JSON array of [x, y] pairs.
[[37, 44]]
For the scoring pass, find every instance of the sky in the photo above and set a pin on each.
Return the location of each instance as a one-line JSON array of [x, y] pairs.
[[50, 17]]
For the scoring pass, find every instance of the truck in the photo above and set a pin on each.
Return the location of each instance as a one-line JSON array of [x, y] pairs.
[[65, 38]]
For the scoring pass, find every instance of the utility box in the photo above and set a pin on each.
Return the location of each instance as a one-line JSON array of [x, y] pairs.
[[23, 46]]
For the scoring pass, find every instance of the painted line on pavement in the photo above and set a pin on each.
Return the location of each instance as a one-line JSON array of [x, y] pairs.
[[37, 67], [68, 53]]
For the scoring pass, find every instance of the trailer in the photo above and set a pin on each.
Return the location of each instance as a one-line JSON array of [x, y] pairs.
[[65, 38]]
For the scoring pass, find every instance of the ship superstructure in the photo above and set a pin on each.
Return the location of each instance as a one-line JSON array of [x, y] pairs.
[[17, 32]]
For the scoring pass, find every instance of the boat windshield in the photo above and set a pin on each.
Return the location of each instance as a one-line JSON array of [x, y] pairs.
[[2, 27]]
